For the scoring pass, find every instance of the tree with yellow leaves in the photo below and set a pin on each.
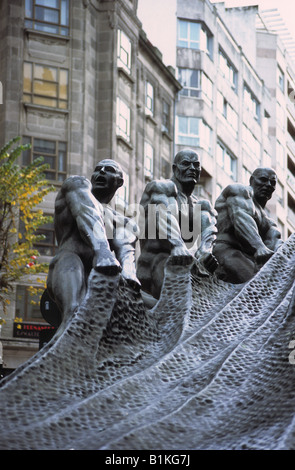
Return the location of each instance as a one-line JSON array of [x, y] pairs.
[[22, 189]]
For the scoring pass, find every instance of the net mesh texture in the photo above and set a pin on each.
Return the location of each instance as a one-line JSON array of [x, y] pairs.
[[207, 368]]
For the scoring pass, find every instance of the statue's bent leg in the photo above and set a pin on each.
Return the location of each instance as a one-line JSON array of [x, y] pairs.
[[234, 266], [66, 283]]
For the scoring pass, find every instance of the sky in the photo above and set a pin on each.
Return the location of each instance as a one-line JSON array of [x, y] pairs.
[[158, 20]]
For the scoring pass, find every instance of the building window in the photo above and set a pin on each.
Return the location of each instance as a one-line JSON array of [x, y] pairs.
[[190, 81], [47, 246], [27, 305], [205, 136], [166, 117], [123, 119], [149, 99], [148, 160], [280, 154], [194, 132], [251, 144], [252, 103], [50, 16], [226, 160], [224, 108], [188, 131], [228, 69], [207, 89], [45, 85], [194, 35], [281, 79], [124, 51], [54, 154], [195, 84]]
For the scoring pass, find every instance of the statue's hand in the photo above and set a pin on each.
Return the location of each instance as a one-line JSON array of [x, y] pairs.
[[105, 262], [181, 256], [131, 279], [262, 255]]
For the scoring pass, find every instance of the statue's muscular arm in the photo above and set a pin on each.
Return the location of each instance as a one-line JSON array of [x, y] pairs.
[[241, 211], [273, 238], [88, 215], [208, 236]]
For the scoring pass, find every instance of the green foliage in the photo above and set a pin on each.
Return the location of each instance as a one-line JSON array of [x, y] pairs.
[[22, 189]]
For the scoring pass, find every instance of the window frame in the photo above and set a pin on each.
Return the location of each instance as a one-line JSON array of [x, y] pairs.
[[204, 38], [227, 68], [229, 156], [227, 112], [149, 98], [166, 116], [186, 75], [208, 97], [31, 20], [188, 138], [125, 64], [61, 103], [42, 243], [281, 79], [25, 304], [35, 154], [123, 131], [204, 138], [149, 154], [251, 102]]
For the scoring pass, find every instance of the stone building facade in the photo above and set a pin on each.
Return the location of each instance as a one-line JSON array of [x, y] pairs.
[[81, 82]]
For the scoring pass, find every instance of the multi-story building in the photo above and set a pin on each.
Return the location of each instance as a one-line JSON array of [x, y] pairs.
[[81, 82], [224, 106], [237, 103], [277, 68]]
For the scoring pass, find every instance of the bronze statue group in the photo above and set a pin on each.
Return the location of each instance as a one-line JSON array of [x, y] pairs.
[[233, 240], [175, 328]]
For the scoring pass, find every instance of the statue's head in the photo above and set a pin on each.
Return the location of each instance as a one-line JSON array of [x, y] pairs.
[[106, 179], [263, 182], [187, 167]]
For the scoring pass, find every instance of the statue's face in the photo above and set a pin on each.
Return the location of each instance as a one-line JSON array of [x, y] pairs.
[[264, 184], [188, 169], [107, 177]]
